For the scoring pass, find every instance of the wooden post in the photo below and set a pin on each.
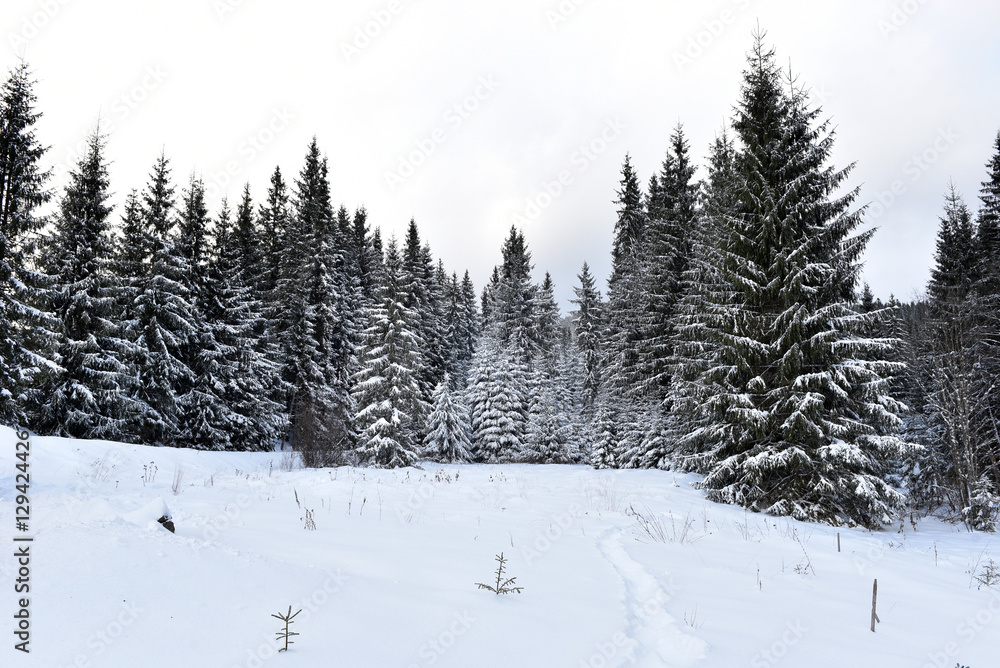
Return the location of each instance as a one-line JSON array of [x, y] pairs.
[[838, 541], [874, 602]]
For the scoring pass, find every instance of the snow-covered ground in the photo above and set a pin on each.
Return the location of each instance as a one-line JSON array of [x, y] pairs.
[[387, 578]]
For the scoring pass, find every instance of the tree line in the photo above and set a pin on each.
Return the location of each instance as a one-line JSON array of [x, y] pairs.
[[733, 338]]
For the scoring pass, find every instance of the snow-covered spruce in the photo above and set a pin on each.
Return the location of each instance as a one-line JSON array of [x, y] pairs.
[[497, 398], [448, 427], [797, 414], [386, 389]]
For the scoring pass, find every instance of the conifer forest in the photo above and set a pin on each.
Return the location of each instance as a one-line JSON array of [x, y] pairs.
[[734, 338]]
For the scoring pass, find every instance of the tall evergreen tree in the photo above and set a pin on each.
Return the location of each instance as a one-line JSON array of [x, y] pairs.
[[160, 320], [273, 221], [587, 321], [956, 363], [665, 258], [547, 315], [799, 418], [369, 257], [243, 376], [250, 247], [204, 418], [423, 298], [623, 325], [988, 293], [316, 295], [131, 269], [27, 332], [988, 228], [386, 391], [706, 295], [90, 396], [630, 228], [513, 307]]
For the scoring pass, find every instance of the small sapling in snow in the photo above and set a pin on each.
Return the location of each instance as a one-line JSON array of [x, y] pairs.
[[286, 634], [502, 586], [988, 575]]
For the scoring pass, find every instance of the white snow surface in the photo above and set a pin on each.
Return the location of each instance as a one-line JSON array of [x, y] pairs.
[[388, 576]]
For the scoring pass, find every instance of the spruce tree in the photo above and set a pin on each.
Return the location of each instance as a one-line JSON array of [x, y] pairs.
[[606, 429], [204, 418], [90, 396], [462, 328], [386, 390], [317, 299], [513, 300], [278, 287], [589, 329], [988, 294], [27, 331], [131, 269], [549, 435], [799, 417], [423, 298], [956, 363], [547, 313], [625, 291], [249, 247], [161, 320], [243, 375], [273, 221], [988, 229], [665, 259], [706, 296], [448, 430], [369, 257], [498, 403]]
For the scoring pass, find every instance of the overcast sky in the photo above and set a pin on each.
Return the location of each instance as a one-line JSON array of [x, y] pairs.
[[462, 114]]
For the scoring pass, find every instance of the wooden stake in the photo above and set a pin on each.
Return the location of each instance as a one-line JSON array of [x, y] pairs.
[[874, 601]]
